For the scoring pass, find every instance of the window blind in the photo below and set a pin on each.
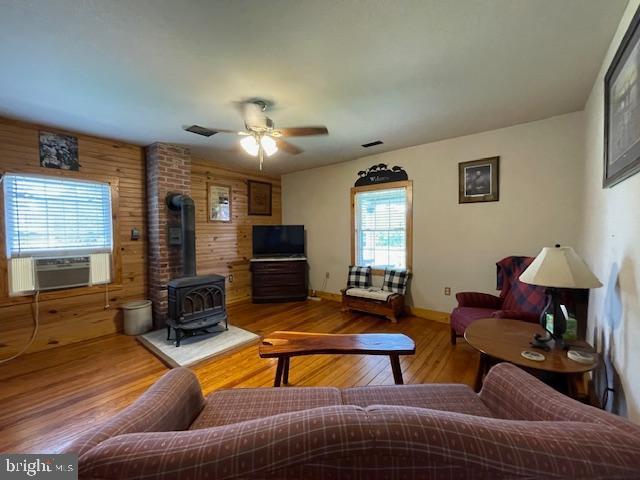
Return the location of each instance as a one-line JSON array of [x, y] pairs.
[[381, 228], [52, 215]]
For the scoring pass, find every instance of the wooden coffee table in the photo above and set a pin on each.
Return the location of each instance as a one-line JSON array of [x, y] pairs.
[[501, 339], [284, 345]]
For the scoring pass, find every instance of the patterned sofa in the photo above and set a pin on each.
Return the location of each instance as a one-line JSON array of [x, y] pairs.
[[516, 427]]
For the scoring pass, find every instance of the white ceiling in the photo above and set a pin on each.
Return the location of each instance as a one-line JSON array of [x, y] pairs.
[[406, 72]]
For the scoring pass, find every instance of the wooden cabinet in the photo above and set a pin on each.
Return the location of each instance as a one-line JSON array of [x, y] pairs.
[[278, 280]]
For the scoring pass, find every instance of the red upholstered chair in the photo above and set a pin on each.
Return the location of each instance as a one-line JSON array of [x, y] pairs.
[[517, 300]]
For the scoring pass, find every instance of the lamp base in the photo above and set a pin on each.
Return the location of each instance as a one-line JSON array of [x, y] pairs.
[[547, 341]]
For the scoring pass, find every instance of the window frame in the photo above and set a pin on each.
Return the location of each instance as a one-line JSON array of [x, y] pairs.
[[25, 247], [408, 186], [116, 256]]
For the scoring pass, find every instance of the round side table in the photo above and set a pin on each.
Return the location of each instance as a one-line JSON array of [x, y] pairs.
[[502, 339]]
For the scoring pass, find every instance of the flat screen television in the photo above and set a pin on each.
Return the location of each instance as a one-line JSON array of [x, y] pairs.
[[278, 240]]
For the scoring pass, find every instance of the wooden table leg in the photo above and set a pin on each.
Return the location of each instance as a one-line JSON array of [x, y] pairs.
[[285, 371], [480, 374], [276, 382], [576, 387], [397, 370]]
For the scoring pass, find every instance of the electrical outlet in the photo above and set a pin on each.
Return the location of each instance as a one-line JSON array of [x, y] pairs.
[[326, 275], [230, 278], [447, 291]]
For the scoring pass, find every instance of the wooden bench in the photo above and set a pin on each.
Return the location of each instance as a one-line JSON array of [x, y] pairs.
[[284, 345], [390, 308]]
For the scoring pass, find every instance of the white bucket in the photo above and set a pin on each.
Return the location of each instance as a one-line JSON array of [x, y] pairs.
[[137, 317]]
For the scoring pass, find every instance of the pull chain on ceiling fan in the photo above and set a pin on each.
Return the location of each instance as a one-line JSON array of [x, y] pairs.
[[260, 135]]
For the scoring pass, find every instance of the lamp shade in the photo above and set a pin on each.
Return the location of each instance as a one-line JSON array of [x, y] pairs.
[[559, 267]]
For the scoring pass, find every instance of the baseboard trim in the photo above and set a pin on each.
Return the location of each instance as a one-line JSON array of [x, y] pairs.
[[334, 297], [436, 316], [239, 301], [427, 314]]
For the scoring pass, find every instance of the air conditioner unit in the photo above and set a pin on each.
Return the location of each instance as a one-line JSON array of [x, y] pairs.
[[62, 272]]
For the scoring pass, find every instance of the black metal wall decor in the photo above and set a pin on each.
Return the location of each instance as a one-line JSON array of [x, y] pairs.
[[381, 173]]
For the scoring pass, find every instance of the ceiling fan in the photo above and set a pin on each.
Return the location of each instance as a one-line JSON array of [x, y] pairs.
[[260, 135]]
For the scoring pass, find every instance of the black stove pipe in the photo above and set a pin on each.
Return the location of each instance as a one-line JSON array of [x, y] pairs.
[[184, 203]]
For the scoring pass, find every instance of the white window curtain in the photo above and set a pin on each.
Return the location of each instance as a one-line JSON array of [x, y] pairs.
[[46, 216], [381, 228]]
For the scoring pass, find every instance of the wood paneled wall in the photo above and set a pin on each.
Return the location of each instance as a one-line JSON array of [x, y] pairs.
[[225, 248], [78, 314], [74, 315]]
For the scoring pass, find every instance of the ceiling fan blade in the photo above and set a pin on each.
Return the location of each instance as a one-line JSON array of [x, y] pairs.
[[288, 147], [302, 131], [207, 132]]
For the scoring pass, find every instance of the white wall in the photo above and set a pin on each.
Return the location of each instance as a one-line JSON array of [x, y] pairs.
[[611, 244], [454, 245]]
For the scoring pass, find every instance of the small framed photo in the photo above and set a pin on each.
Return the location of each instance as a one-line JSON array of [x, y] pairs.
[[58, 151], [479, 180], [219, 201], [259, 194]]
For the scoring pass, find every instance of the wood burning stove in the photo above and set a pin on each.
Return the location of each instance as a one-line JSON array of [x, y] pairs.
[[196, 303]]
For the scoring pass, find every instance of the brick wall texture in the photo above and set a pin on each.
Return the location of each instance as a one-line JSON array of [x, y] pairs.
[[168, 171]]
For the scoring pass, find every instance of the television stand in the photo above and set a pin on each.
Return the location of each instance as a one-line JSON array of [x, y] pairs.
[[276, 258], [278, 279]]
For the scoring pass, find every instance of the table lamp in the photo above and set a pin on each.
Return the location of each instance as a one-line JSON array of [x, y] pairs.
[[556, 268]]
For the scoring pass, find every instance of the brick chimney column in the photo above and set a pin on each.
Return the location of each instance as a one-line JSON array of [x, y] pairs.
[[168, 170]]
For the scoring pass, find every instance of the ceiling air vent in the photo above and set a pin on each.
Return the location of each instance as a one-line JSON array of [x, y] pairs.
[[200, 130], [373, 144]]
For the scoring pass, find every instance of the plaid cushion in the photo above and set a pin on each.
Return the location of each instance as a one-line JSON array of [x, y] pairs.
[[450, 398], [359, 277], [518, 295], [235, 405], [395, 281]]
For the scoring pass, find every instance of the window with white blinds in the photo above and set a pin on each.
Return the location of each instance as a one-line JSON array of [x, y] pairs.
[[53, 215], [381, 228]]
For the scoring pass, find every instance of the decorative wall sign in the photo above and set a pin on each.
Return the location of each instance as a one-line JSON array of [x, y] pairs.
[[380, 173], [219, 201], [479, 180], [58, 151], [622, 109], [259, 198]]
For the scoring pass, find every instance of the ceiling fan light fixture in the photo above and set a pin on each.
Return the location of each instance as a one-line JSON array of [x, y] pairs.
[[250, 145], [268, 145]]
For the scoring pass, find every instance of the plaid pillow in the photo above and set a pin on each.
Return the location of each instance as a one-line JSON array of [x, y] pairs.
[[395, 281], [359, 277]]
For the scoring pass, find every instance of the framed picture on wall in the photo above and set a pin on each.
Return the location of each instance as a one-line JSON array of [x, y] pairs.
[[478, 180], [622, 109], [219, 201], [259, 194]]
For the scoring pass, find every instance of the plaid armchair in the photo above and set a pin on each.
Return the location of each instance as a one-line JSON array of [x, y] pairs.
[[517, 300]]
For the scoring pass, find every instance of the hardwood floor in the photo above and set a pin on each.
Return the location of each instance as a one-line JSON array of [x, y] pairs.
[[48, 398]]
